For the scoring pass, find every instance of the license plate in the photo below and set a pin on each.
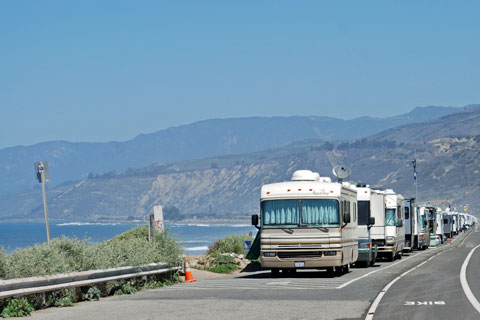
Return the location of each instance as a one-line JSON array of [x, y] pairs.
[[299, 264]]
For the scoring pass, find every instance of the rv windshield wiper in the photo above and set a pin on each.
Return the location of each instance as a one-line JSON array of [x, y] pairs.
[[322, 229], [289, 231]]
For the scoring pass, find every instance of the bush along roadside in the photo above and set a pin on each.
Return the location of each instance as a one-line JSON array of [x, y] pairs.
[[225, 255], [65, 255], [24, 306]]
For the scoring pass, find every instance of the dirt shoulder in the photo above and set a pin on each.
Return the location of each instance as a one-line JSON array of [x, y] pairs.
[[197, 263]]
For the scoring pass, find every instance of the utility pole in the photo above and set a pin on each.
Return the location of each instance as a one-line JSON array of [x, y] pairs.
[[42, 173], [414, 163]]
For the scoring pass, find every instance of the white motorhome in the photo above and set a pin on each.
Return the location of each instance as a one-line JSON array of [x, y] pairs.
[[388, 233], [455, 227], [448, 225], [309, 222], [462, 224], [412, 226], [368, 200], [430, 215], [469, 220], [424, 233], [440, 238]]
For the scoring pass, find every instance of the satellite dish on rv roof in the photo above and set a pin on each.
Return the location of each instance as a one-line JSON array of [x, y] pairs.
[[341, 172]]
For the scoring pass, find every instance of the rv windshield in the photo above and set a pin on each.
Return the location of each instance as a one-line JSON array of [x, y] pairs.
[[310, 212], [390, 217]]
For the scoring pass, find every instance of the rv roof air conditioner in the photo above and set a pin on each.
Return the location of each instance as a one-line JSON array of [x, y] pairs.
[[305, 175]]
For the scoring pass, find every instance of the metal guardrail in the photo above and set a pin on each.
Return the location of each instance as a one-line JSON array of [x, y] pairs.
[[32, 285]]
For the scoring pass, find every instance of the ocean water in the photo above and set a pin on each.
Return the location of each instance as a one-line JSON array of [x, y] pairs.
[[194, 238]]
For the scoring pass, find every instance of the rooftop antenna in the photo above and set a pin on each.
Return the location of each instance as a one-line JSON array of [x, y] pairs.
[[341, 172]]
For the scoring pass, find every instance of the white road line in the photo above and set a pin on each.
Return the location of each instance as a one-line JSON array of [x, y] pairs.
[[461, 243], [379, 297], [464, 282], [381, 269]]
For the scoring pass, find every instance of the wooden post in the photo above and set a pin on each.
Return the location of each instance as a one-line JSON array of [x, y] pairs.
[[151, 226]]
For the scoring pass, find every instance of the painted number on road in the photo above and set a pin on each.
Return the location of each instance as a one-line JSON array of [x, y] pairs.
[[424, 303]]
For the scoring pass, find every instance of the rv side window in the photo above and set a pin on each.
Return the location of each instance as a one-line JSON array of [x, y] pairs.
[[407, 213], [354, 211]]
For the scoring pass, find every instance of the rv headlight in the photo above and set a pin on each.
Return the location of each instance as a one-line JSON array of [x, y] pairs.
[[269, 254], [389, 238]]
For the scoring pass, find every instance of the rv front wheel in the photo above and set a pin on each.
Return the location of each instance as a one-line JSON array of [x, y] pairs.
[[391, 257], [275, 273]]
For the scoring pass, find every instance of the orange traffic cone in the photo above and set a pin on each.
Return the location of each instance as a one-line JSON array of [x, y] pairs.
[[188, 272]]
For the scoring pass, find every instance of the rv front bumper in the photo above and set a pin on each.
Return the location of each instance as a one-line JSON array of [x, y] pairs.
[[386, 249], [288, 260]]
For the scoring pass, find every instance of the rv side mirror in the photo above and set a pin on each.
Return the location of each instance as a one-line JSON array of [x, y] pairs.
[[399, 223], [255, 220], [371, 221], [346, 217]]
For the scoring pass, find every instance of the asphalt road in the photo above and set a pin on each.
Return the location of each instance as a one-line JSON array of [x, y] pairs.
[[434, 291], [308, 295]]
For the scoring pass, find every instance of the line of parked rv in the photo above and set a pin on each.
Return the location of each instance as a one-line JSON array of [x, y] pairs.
[[311, 222]]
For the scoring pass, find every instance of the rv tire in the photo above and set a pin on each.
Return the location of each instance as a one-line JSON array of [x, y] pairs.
[[275, 273], [330, 272]]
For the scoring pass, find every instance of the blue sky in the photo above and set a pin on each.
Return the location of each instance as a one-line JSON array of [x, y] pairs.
[[109, 70]]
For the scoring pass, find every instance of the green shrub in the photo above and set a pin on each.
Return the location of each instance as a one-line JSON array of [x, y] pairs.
[[223, 268], [17, 308], [64, 302], [230, 244], [3, 263], [221, 259], [127, 288], [63, 255], [92, 294], [153, 284], [132, 248], [61, 298]]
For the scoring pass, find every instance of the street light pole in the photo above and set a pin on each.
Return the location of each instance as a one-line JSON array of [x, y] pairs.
[[42, 173], [45, 207]]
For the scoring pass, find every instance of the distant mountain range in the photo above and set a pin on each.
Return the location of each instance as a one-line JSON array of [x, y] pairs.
[[222, 187], [76, 161]]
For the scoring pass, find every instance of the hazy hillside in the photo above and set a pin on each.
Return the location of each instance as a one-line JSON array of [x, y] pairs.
[[463, 123], [448, 168], [75, 161]]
